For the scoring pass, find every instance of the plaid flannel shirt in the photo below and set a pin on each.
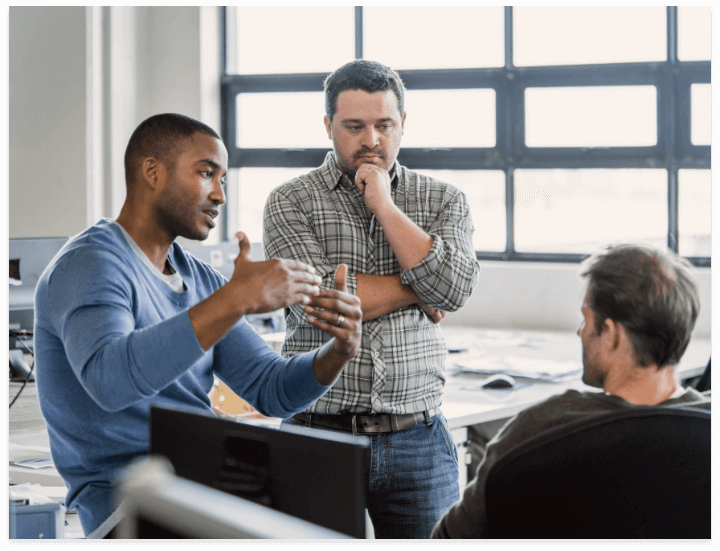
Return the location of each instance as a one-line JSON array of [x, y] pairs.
[[321, 219]]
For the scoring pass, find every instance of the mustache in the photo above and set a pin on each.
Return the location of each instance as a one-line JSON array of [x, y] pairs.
[[369, 151]]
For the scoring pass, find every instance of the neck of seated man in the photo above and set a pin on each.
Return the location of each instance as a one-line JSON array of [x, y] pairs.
[[642, 385]]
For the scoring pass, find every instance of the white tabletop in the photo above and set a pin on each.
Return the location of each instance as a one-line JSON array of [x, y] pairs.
[[466, 403]]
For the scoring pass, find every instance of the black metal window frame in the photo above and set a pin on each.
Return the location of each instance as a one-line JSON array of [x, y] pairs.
[[674, 150]]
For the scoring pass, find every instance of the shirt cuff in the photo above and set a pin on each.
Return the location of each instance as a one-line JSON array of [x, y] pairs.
[[428, 266]]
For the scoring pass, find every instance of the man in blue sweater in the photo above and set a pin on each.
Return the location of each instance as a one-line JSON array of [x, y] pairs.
[[125, 319]]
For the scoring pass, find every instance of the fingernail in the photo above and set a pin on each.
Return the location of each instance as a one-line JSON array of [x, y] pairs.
[[311, 318]]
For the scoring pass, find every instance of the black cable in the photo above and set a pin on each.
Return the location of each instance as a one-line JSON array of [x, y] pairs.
[[17, 334]]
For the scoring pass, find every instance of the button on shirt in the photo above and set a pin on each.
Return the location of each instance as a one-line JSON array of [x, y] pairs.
[[321, 219]]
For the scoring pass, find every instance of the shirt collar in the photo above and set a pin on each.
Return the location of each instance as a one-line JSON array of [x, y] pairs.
[[332, 175]]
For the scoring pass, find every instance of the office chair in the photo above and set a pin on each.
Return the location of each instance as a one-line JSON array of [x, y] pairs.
[[632, 474], [703, 382]]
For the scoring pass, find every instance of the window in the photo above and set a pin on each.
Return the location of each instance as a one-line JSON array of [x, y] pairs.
[[700, 108], [694, 33], [580, 210], [591, 116], [566, 127], [582, 35]]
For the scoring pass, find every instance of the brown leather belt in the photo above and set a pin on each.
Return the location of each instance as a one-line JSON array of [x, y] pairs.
[[366, 423]]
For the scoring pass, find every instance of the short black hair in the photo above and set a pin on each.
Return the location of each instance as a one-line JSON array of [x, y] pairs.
[[160, 136], [362, 74], [651, 293]]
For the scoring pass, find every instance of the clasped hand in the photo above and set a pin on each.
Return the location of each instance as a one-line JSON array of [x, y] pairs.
[[374, 182]]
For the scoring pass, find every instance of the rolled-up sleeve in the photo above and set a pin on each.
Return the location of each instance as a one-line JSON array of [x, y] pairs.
[[446, 277]]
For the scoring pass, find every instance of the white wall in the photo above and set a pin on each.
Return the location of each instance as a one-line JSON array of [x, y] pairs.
[[166, 59], [537, 295], [47, 121], [81, 80]]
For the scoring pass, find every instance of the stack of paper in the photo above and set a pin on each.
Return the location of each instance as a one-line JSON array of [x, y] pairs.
[[520, 367]]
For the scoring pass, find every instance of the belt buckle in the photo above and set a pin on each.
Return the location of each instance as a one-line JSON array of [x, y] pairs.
[[354, 424]]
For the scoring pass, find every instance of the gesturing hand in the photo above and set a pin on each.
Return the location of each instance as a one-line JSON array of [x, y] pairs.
[[272, 284], [338, 314]]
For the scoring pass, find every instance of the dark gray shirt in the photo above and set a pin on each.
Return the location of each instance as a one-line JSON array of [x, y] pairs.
[[467, 518]]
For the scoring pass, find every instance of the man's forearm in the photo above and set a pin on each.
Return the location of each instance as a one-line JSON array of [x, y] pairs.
[[409, 242], [380, 295], [328, 364], [215, 316]]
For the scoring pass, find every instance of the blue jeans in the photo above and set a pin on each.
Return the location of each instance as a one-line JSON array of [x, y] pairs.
[[413, 479]]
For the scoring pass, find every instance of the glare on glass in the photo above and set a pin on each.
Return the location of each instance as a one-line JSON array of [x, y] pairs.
[[694, 33], [579, 211], [450, 118], [448, 37], [591, 116], [294, 39], [281, 120], [485, 194], [578, 35], [694, 212], [700, 114]]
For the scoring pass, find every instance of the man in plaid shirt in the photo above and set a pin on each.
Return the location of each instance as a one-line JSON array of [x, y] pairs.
[[407, 242]]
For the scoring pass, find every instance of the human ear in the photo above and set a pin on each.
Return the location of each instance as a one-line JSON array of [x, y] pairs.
[[328, 126], [150, 171], [611, 334]]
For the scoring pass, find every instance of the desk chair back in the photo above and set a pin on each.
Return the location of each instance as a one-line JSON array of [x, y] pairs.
[[703, 383], [638, 474]]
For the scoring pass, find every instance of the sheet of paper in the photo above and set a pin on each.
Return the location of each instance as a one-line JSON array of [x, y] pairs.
[[36, 494], [34, 463], [19, 452]]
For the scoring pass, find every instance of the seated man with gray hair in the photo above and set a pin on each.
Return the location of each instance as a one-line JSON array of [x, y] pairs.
[[639, 311]]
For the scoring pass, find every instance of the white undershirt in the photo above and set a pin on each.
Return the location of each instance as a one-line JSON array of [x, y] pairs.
[[174, 281]]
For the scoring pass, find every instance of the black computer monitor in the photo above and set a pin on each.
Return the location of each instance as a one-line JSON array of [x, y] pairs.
[[158, 504], [318, 476]]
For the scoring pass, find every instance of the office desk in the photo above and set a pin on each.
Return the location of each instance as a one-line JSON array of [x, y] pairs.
[[466, 403]]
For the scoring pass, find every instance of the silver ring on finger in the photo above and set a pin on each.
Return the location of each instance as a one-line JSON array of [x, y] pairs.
[[340, 320]]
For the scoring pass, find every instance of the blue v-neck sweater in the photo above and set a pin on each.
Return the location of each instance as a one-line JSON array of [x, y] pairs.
[[111, 340]]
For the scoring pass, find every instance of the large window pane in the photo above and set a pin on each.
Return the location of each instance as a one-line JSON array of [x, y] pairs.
[[695, 214], [450, 118], [485, 193], [294, 39], [694, 33], [583, 35], [591, 116], [578, 211], [283, 119], [700, 111], [254, 186], [412, 37]]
